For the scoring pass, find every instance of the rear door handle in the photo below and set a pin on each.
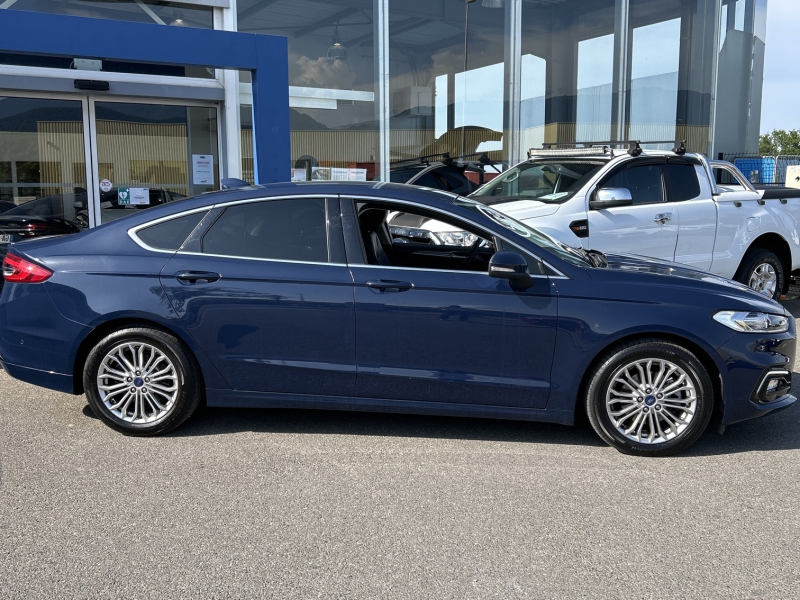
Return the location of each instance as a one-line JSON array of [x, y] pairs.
[[385, 284], [662, 218], [187, 277]]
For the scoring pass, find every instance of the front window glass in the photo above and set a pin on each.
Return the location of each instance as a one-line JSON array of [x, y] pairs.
[[643, 182], [552, 181], [278, 229]]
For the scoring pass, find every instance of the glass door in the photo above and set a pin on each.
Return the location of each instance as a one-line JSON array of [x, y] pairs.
[[43, 178], [147, 154]]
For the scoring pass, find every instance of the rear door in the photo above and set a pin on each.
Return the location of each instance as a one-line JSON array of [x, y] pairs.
[[264, 291], [688, 187], [649, 227]]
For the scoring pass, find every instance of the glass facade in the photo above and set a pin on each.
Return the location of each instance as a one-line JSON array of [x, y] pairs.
[[332, 96], [374, 83], [143, 11]]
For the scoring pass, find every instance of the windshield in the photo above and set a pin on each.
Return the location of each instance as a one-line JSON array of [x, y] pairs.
[[574, 256], [552, 181]]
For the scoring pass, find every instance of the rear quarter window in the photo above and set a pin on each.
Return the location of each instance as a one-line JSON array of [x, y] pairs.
[[170, 235], [682, 182]]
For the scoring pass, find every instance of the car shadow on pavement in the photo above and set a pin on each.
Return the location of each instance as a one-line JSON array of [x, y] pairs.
[[776, 432]]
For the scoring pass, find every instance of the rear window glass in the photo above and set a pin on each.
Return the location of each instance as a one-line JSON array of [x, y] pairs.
[[170, 235], [276, 229], [682, 182]]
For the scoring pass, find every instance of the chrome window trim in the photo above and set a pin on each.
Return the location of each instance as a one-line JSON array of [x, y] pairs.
[[134, 230], [486, 274], [277, 260], [425, 207]]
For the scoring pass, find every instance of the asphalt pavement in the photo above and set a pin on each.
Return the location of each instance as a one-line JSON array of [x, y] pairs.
[[307, 504]]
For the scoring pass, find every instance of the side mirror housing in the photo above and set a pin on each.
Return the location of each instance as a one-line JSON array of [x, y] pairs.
[[611, 197], [512, 266]]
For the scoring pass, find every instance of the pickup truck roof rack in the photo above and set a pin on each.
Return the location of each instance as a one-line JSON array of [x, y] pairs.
[[634, 147]]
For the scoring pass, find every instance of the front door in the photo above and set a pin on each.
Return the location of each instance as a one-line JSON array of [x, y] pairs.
[[431, 325], [649, 227], [68, 162]]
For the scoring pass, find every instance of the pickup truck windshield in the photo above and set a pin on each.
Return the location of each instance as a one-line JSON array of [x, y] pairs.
[[553, 181]]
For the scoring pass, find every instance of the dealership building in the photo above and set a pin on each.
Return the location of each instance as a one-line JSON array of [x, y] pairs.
[[99, 96]]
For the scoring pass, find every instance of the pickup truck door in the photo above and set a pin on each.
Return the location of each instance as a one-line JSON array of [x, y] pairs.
[[649, 227], [688, 186]]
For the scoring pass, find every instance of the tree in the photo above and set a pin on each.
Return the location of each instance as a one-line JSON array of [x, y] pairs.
[[779, 141]]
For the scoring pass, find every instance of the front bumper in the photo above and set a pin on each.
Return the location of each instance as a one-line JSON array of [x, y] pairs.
[[758, 374]]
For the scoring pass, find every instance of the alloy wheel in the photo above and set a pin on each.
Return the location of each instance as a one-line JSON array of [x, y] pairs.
[[764, 280], [137, 382], [651, 401]]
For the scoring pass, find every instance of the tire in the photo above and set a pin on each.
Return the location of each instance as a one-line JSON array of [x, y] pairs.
[[663, 425], [131, 357], [760, 270]]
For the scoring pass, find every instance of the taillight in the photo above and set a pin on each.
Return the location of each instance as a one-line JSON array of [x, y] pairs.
[[35, 230], [19, 270]]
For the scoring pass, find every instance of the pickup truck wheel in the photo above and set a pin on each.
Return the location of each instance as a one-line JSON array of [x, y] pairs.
[[649, 398], [761, 270]]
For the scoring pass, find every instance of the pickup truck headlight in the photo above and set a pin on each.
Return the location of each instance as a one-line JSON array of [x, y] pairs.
[[446, 238], [456, 238], [752, 322]]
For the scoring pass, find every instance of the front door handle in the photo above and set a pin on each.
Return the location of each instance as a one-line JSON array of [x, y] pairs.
[[187, 277], [386, 284], [662, 218]]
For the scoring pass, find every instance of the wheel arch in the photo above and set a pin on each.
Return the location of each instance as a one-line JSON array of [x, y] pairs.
[[107, 327], [774, 242], [701, 353]]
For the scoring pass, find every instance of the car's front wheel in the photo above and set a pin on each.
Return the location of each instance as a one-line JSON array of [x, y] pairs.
[[649, 398], [142, 381]]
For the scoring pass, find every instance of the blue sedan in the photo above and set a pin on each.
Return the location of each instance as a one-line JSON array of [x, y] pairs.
[[384, 297]]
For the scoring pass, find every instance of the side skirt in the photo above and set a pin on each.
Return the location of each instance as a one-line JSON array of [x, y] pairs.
[[240, 399]]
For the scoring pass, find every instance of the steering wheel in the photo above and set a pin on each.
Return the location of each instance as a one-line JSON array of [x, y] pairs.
[[473, 251]]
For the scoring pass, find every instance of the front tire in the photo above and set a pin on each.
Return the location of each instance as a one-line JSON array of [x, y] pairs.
[[649, 398], [762, 271], [142, 381]]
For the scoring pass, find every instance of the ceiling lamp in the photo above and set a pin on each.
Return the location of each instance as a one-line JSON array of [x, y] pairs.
[[493, 3], [336, 51], [178, 22]]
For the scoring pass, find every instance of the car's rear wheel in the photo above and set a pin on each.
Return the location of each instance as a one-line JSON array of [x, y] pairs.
[[761, 270], [142, 381], [649, 398]]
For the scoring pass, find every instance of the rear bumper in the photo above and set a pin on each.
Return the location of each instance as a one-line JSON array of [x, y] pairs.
[[47, 379]]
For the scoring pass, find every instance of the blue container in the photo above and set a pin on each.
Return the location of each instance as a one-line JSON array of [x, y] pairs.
[[760, 169]]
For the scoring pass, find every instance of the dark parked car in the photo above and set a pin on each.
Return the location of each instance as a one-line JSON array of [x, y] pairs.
[[300, 295], [437, 176], [61, 214]]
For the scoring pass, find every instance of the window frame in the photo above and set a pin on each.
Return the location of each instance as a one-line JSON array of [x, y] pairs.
[[356, 256], [192, 246]]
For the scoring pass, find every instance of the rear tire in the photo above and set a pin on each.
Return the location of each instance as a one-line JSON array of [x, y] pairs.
[[142, 381], [762, 271], [649, 398]]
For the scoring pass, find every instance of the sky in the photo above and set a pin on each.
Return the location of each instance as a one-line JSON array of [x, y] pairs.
[[780, 107]]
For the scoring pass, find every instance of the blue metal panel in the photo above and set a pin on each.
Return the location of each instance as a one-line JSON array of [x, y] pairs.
[[265, 56]]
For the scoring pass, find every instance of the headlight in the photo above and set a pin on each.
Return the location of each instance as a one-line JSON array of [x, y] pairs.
[[456, 238], [755, 322]]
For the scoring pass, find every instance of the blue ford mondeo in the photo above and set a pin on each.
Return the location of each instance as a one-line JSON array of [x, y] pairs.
[[384, 297]]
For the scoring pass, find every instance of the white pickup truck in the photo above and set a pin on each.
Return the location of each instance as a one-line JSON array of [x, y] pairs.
[[666, 205]]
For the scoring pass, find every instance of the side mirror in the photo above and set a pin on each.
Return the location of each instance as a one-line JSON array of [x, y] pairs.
[[611, 197], [511, 266]]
